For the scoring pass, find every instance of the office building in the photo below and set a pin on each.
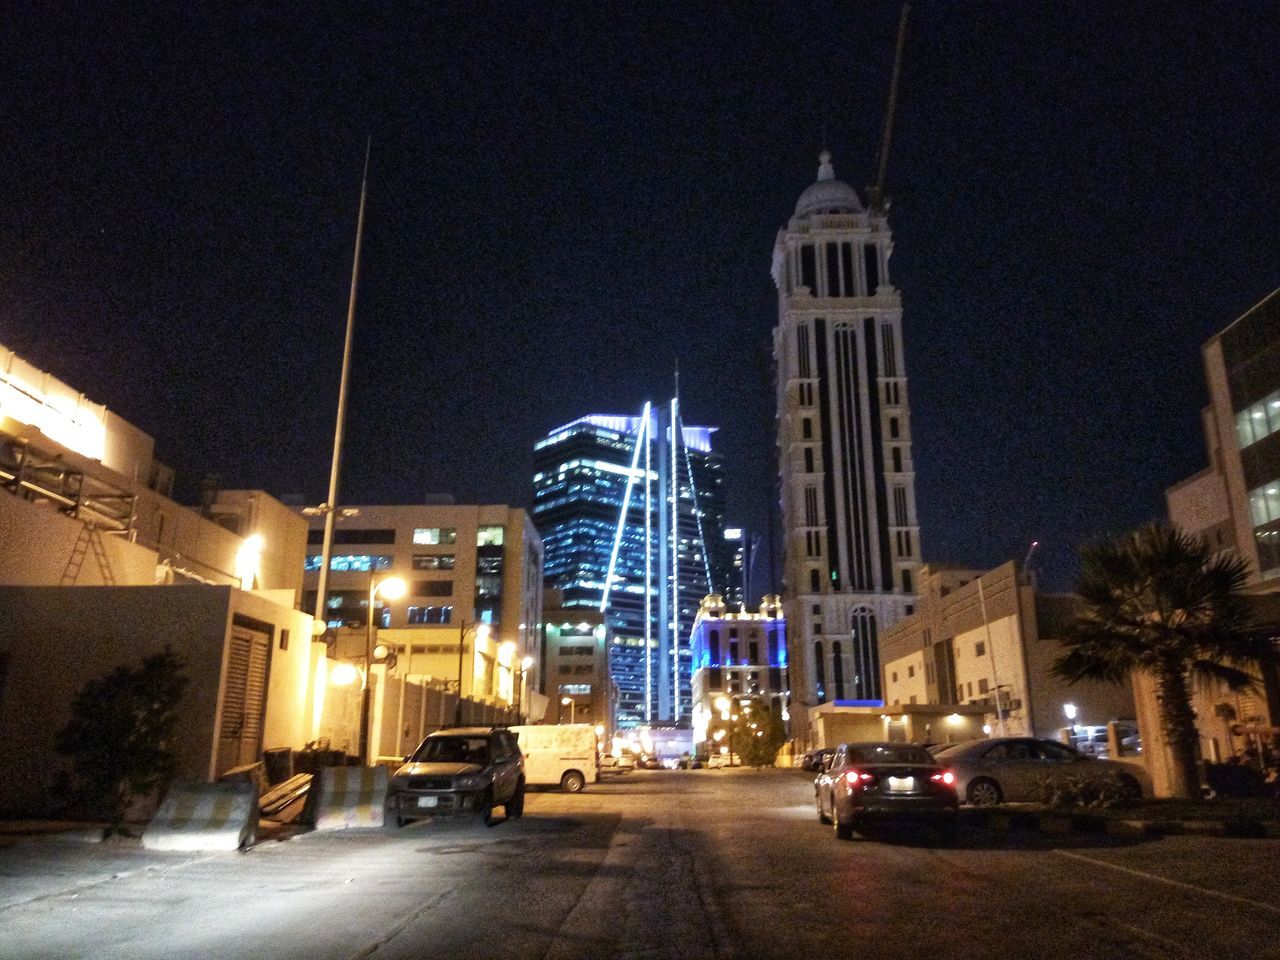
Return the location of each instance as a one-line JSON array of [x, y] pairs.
[[472, 612], [627, 517], [850, 535], [576, 665]]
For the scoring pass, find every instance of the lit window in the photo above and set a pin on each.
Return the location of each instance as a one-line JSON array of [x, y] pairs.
[[426, 536], [490, 536]]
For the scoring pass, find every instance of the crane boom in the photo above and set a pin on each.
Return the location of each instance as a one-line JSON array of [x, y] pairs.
[[877, 192]]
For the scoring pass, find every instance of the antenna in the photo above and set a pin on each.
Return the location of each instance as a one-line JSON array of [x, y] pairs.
[[877, 192]]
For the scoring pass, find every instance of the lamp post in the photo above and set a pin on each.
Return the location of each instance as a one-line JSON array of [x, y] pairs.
[[477, 630], [571, 704], [525, 665], [391, 588]]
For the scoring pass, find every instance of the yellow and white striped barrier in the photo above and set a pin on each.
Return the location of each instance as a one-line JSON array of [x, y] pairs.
[[351, 797], [205, 816]]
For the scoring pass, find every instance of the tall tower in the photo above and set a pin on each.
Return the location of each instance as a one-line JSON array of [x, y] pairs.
[[850, 534], [627, 516]]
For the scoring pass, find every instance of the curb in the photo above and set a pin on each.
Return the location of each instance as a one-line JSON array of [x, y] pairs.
[[1055, 824]]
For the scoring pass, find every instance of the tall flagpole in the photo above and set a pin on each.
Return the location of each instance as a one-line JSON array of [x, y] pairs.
[[331, 504]]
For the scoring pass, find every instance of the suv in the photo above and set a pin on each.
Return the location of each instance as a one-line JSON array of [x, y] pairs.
[[457, 769]]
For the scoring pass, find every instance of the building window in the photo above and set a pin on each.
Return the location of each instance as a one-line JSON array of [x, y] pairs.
[[1259, 420], [808, 268], [983, 687], [713, 644], [808, 460], [733, 651], [1264, 503], [837, 669], [906, 581], [871, 258], [979, 649], [894, 430], [433, 588], [434, 561], [420, 615], [897, 459], [814, 578], [429, 536], [911, 670], [284, 639], [347, 563], [490, 536], [820, 669], [753, 651], [894, 676], [806, 428]]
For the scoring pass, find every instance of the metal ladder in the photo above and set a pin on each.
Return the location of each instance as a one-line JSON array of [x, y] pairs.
[[90, 538]]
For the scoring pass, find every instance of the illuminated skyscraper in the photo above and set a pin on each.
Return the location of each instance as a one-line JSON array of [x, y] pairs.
[[603, 499], [844, 443]]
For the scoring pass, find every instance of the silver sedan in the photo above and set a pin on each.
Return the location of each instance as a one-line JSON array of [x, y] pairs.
[[1020, 768]]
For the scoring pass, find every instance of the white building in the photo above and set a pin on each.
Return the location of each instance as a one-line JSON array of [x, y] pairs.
[[844, 444]]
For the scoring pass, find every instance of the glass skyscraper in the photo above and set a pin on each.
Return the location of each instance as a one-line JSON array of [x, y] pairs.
[[585, 471]]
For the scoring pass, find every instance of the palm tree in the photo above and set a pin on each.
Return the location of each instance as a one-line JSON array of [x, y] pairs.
[[1163, 601]]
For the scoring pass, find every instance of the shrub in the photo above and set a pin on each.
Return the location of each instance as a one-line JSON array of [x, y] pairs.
[[119, 735]]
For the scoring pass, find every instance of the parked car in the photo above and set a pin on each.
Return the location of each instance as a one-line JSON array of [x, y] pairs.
[[618, 764], [1018, 768], [814, 759], [884, 781], [459, 769]]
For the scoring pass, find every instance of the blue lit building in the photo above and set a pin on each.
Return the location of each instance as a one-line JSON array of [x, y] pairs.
[[626, 517], [737, 655]]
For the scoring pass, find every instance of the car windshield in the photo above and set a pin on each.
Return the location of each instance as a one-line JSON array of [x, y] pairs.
[[453, 750], [889, 754]]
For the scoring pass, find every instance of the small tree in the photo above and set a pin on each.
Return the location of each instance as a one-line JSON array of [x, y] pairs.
[[758, 734], [1164, 602], [120, 732]]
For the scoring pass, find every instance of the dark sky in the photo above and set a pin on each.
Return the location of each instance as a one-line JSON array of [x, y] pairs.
[[567, 197]]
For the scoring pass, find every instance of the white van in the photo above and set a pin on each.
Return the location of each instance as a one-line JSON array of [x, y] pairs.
[[561, 754]]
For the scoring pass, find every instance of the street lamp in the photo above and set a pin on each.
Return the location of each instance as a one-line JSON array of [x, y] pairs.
[[571, 704], [479, 631], [389, 588], [525, 665]]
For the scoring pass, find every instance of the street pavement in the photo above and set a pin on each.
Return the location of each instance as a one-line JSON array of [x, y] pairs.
[[653, 864]]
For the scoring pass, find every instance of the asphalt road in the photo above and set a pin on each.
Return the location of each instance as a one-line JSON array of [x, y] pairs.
[[697, 864]]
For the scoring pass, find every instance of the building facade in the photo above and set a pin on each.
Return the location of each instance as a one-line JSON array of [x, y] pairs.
[[850, 534], [576, 665], [100, 568], [614, 493], [472, 612], [736, 655], [1235, 504], [989, 640]]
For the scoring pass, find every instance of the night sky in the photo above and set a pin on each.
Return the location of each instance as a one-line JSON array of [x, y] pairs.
[[567, 198]]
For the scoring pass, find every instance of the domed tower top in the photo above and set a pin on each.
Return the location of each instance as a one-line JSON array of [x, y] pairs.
[[827, 194]]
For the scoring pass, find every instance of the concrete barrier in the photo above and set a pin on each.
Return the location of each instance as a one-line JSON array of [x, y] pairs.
[[205, 816], [351, 797]]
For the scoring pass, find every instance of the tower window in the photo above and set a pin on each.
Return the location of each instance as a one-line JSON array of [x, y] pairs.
[[846, 264], [833, 270], [808, 460], [897, 459], [906, 581], [806, 428], [814, 581], [894, 432], [808, 268], [871, 259]]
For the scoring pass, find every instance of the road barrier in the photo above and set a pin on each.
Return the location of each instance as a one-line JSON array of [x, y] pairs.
[[205, 816], [351, 797]]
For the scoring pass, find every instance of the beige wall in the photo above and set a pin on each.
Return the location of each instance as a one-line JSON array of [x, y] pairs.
[[55, 639]]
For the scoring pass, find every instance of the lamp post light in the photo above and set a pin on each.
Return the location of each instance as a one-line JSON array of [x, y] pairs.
[[390, 588], [479, 631], [571, 704]]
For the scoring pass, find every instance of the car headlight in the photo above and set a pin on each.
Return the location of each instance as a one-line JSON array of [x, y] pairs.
[[470, 783]]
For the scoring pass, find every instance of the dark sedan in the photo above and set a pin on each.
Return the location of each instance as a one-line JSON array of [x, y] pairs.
[[884, 781]]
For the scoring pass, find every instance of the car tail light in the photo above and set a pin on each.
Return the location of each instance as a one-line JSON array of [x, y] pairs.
[[946, 776], [856, 778]]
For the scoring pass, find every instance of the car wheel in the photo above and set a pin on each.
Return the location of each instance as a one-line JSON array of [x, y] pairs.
[[515, 806], [822, 817], [487, 810], [844, 829], [984, 793], [573, 782], [1130, 789]]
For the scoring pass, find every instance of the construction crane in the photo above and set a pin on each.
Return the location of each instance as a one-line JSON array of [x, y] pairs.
[[877, 192]]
